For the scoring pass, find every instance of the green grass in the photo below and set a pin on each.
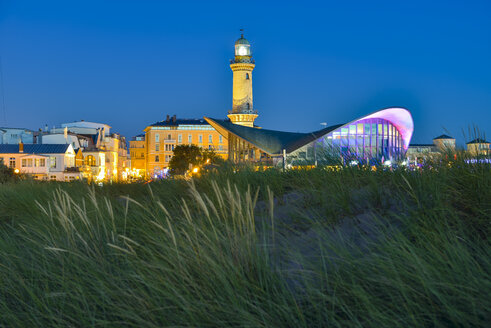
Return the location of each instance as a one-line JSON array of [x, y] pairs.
[[353, 248]]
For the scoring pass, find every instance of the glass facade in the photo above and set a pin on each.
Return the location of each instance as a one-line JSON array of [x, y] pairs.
[[367, 140]]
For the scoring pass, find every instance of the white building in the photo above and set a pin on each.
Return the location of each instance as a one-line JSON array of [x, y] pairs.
[[12, 136], [43, 162]]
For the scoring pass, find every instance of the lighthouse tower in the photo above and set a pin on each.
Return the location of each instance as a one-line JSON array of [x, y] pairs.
[[242, 65]]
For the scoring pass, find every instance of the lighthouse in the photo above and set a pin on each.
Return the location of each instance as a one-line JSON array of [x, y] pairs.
[[242, 65]]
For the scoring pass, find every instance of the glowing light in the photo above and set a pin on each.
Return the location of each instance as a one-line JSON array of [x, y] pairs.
[[16, 171], [242, 51], [353, 163], [195, 170], [388, 163]]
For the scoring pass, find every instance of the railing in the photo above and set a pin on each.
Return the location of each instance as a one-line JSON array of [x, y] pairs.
[[242, 60]]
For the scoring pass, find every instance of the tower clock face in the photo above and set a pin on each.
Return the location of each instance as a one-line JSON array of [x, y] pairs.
[[242, 51]]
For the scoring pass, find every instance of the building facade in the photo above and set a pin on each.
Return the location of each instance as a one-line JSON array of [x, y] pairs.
[[137, 155], [418, 153], [14, 136], [42, 162], [162, 137], [378, 137], [104, 153], [479, 146]]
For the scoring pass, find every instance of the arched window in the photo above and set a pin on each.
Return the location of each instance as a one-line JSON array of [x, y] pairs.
[[90, 160], [157, 158], [247, 76]]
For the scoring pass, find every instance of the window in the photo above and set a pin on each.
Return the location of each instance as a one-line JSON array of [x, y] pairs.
[[157, 159], [24, 162], [12, 162], [42, 162], [247, 76], [89, 160], [179, 138], [168, 158], [210, 139], [210, 147], [52, 178], [248, 106], [190, 139], [157, 147], [52, 162], [220, 147], [220, 138], [157, 137], [29, 162], [200, 138], [169, 137]]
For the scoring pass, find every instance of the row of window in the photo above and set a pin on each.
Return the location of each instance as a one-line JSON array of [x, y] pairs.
[[168, 157], [34, 162], [184, 127], [30, 162], [190, 138]]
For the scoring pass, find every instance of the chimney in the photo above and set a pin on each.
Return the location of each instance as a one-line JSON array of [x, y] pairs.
[[174, 119], [21, 147], [168, 118]]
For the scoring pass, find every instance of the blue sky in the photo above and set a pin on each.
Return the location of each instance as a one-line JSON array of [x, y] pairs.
[[129, 63]]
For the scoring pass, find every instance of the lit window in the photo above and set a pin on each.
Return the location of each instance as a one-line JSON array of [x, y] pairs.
[[200, 138], [190, 139], [89, 160], [210, 139], [157, 147], [352, 129], [42, 162], [29, 162], [24, 162], [12, 162], [220, 138], [220, 147], [359, 128], [157, 137], [179, 138], [157, 158]]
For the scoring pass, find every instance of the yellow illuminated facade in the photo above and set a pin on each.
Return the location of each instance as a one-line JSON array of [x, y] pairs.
[[242, 65], [137, 155], [162, 137]]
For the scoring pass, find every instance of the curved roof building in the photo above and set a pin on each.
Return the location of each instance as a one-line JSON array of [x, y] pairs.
[[379, 136]]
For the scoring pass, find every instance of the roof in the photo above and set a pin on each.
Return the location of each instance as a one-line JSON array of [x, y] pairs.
[[443, 136], [271, 141], [35, 149], [7, 128], [477, 141], [242, 40], [181, 121]]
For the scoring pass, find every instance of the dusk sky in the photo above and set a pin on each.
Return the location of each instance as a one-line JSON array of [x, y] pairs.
[[129, 63]]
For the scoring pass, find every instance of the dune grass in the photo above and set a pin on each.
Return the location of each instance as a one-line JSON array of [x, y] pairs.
[[306, 248]]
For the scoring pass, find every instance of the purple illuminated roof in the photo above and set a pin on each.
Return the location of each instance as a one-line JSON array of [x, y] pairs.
[[400, 117]]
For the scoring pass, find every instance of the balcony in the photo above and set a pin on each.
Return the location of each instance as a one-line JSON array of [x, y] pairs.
[[169, 140]]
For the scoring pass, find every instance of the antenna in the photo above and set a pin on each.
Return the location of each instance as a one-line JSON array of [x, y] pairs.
[[2, 90], [241, 32]]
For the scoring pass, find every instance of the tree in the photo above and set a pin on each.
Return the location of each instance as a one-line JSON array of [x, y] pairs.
[[7, 174], [191, 154]]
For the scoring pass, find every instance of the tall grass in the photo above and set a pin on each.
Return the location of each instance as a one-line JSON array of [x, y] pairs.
[[301, 248]]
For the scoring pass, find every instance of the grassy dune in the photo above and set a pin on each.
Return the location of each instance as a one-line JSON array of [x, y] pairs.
[[352, 248]]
